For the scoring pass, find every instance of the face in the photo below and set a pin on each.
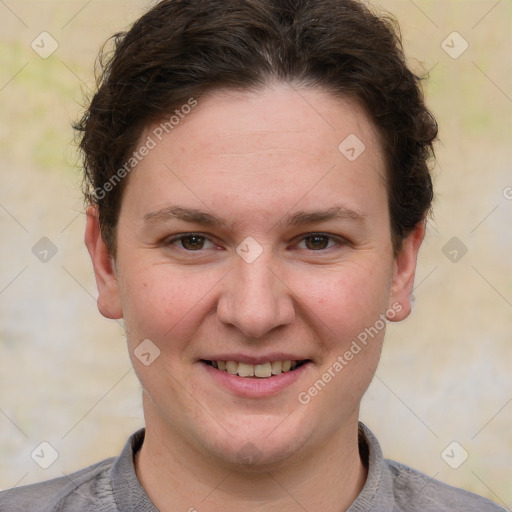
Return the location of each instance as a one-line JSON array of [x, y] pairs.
[[248, 234]]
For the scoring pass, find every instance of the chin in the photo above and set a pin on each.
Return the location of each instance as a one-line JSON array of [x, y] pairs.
[[256, 448], [247, 456]]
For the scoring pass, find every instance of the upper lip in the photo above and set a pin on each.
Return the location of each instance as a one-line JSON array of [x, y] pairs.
[[247, 359]]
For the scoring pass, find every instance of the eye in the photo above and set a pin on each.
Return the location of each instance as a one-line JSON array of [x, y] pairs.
[[320, 241], [189, 241], [195, 242]]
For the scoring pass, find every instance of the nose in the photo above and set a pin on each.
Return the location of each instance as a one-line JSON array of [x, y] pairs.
[[255, 298]]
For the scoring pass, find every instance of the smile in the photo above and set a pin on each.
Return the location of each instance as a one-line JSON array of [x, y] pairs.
[[262, 371]]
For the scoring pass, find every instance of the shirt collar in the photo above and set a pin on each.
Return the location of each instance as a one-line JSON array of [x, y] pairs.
[[376, 494], [128, 493]]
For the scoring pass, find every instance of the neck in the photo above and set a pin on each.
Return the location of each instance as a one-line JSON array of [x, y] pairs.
[[177, 476]]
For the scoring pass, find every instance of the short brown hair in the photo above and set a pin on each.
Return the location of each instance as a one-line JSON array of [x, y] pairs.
[[182, 49]]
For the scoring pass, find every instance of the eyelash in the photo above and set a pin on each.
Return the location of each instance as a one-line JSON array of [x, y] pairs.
[[170, 241]]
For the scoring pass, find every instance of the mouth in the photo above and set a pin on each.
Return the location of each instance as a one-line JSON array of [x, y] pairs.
[[263, 370]]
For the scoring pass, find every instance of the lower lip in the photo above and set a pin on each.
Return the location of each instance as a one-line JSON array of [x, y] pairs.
[[255, 387]]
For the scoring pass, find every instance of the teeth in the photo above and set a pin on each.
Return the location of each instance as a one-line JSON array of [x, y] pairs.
[[262, 371], [277, 367], [245, 370], [231, 367]]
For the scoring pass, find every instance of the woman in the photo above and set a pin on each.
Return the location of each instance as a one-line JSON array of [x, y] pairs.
[[257, 186]]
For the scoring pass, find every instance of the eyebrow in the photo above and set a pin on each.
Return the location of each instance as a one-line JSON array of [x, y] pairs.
[[301, 217]]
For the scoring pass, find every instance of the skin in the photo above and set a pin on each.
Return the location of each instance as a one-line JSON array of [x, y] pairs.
[[252, 158]]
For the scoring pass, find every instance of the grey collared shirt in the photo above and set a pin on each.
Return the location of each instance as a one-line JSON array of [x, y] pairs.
[[112, 486]]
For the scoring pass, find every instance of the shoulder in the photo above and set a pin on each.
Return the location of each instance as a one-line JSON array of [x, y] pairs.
[[395, 487], [427, 494], [82, 490]]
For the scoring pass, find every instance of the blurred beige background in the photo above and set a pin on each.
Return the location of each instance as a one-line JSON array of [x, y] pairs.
[[445, 375]]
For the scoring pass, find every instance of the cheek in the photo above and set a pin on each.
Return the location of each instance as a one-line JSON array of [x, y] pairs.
[[345, 308], [348, 299], [163, 303]]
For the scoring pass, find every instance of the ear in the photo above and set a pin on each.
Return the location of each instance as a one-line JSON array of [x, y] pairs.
[[403, 275], [108, 301]]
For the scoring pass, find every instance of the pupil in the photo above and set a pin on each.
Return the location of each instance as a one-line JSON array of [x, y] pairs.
[[197, 242], [319, 241]]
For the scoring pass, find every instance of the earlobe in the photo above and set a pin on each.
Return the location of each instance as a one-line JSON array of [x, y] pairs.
[[405, 270], [108, 301]]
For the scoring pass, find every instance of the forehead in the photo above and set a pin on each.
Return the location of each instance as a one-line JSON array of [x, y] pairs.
[[281, 113], [275, 146]]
